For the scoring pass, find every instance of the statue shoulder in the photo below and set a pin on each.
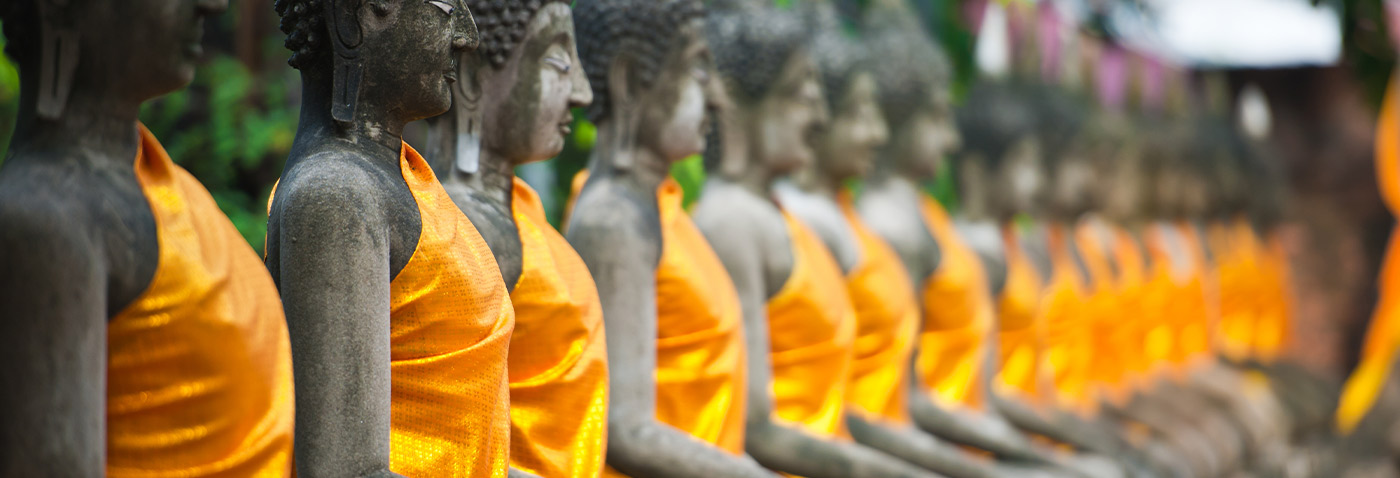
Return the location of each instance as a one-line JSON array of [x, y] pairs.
[[610, 220]]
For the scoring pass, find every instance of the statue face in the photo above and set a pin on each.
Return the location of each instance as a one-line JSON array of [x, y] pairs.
[[144, 48], [1020, 179], [526, 102], [410, 63], [673, 117], [786, 116], [1073, 184], [927, 137], [857, 129]]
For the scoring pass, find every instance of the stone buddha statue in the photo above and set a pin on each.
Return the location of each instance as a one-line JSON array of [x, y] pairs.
[[675, 337], [957, 308], [398, 316], [798, 321], [511, 106], [887, 310], [135, 311]]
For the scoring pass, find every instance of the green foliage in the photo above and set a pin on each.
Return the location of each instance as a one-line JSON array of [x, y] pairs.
[[690, 173], [232, 130], [9, 97]]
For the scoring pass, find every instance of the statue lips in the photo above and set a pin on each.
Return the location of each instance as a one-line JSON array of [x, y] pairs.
[[566, 126]]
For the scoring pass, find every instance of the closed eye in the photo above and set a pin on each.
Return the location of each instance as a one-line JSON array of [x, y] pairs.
[[446, 7], [561, 65]]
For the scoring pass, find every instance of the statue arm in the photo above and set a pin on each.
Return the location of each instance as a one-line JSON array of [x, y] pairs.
[[915, 446], [980, 432], [775, 445], [623, 263], [334, 281], [54, 341]]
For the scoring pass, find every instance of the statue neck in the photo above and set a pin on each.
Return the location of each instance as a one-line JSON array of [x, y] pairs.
[[494, 178], [91, 122], [815, 180], [618, 154], [371, 129], [740, 164]]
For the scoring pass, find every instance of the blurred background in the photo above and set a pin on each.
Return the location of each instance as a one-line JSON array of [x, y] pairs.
[[1315, 70]]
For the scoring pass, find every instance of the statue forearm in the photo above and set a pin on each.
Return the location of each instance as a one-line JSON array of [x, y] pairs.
[[1023, 417], [966, 431], [646, 448], [792, 451], [917, 447]]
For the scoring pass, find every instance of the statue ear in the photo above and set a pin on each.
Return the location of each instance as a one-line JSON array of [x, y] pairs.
[[343, 23], [620, 81], [58, 59], [466, 98]]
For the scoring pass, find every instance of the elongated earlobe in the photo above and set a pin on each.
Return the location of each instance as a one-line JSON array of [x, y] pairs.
[[346, 36], [466, 106], [59, 57]]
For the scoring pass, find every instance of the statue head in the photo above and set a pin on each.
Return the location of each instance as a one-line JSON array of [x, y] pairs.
[[518, 87], [771, 81], [1076, 177], [1003, 153], [912, 76], [122, 52], [648, 65], [379, 56], [856, 129]]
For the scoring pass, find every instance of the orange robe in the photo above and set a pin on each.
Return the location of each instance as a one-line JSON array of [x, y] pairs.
[[1383, 335], [199, 367], [701, 360], [958, 314], [811, 332], [558, 354], [1068, 335], [701, 375], [1174, 302], [1242, 278], [1132, 282], [1019, 341], [1108, 323], [887, 313], [450, 322], [1274, 324]]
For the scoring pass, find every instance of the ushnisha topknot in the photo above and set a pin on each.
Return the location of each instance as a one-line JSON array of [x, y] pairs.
[[501, 24], [839, 55], [645, 31], [907, 64], [751, 44]]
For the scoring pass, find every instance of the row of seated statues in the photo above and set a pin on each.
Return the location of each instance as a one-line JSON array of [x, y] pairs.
[[1109, 300]]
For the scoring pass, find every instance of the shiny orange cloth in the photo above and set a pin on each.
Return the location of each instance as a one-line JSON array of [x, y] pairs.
[[701, 357], [1068, 356], [958, 314], [199, 366], [811, 333], [558, 354], [887, 313], [1019, 341], [1274, 325], [701, 374], [1132, 282], [450, 322], [1383, 335], [1199, 314], [1175, 300], [1242, 281], [1108, 323]]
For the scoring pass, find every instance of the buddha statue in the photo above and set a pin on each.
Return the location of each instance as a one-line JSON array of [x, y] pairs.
[[799, 324], [675, 338], [512, 106], [398, 316], [956, 305], [887, 310], [138, 311]]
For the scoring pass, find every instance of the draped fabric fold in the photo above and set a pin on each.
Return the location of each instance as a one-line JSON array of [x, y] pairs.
[[958, 315]]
